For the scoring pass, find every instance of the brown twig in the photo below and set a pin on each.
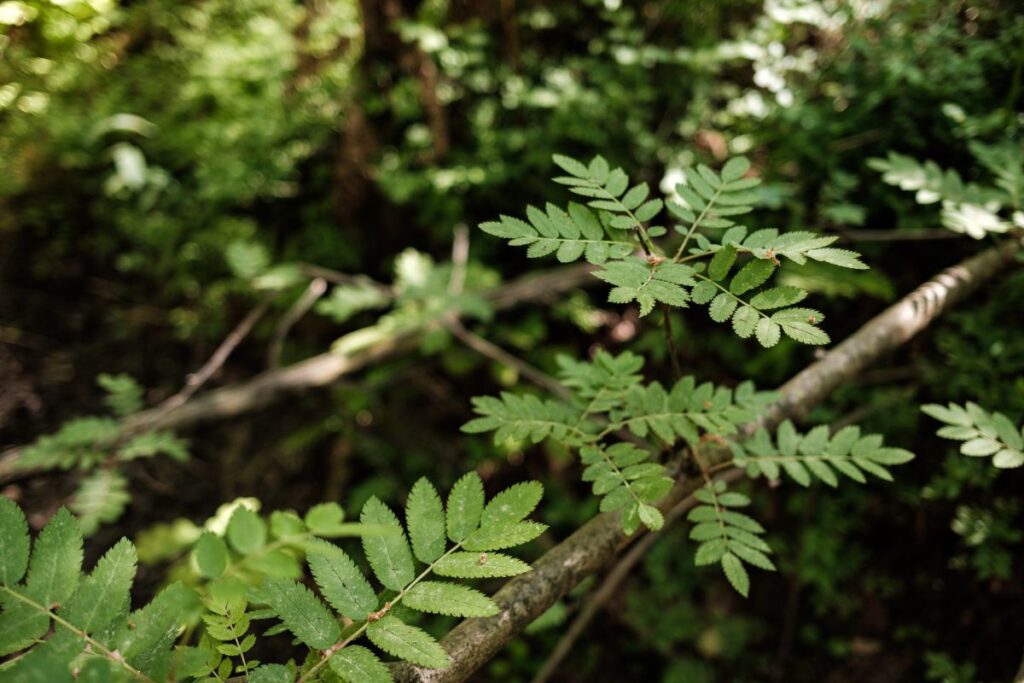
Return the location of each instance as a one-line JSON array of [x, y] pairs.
[[196, 380], [313, 292], [500, 355], [673, 353], [321, 370]]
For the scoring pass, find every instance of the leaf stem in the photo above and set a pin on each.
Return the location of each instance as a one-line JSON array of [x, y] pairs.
[[333, 649], [95, 644], [695, 224]]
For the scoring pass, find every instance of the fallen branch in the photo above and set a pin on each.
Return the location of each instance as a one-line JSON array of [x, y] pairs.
[[272, 386], [592, 547]]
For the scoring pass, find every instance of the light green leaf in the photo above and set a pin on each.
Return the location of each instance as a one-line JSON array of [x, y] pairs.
[[407, 642], [157, 625], [271, 673], [14, 541], [246, 531], [389, 555], [722, 307], [210, 555], [721, 262], [513, 504], [735, 169], [103, 595], [465, 506], [465, 565], [754, 274], [651, 517], [357, 664], [450, 599], [302, 612], [768, 333], [56, 561], [744, 321], [325, 519], [424, 516], [499, 536], [980, 447], [340, 581], [736, 573]]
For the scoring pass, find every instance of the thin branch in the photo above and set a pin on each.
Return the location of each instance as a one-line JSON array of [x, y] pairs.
[[336, 278], [897, 235], [460, 256], [670, 340], [322, 370], [500, 355], [613, 581], [196, 380], [590, 548], [316, 289]]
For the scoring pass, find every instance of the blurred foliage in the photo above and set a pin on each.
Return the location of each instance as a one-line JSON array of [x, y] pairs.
[[165, 167]]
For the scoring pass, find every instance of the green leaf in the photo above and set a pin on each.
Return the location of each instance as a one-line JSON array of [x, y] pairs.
[[340, 581], [710, 552], [325, 519], [500, 536], [465, 506], [722, 307], [721, 262], [15, 542], [571, 166], [272, 673], [210, 555], [302, 612], [407, 642], [735, 169], [954, 414], [838, 257], [157, 625], [357, 664], [736, 573], [980, 447], [744, 321], [246, 531], [56, 561], [803, 332], [1008, 458], [651, 517], [101, 497], [449, 598], [752, 556], [103, 595], [465, 565], [513, 504], [768, 333], [424, 517], [754, 274], [777, 297], [389, 555]]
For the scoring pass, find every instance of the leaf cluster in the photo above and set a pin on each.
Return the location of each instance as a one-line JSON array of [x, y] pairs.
[[610, 404], [96, 445], [458, 539], [818, 454], [983, 433], [620, 237]]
